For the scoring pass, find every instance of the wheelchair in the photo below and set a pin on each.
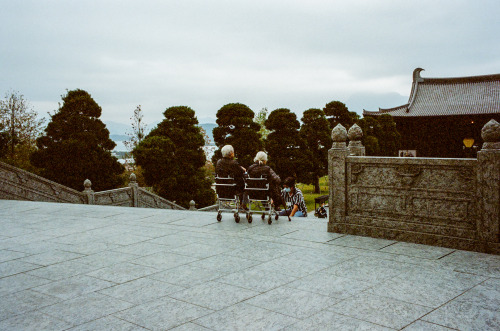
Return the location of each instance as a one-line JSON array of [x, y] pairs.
[[258, 193], [227, 197]]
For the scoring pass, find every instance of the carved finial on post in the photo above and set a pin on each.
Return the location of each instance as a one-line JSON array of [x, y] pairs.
[[132, 180], [88, 191], [135, 189], [192, 205], [488, 179], [337, 156], [88, 185], [355, 146], [339, 136], [491, 135]]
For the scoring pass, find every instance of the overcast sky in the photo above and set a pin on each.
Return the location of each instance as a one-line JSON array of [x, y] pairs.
[[263, 53]]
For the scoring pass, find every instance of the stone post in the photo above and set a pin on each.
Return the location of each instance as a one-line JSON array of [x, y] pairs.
[[192, 205], [488, 176], [336, 174], [135, 189], [355, 147], [88, 191]]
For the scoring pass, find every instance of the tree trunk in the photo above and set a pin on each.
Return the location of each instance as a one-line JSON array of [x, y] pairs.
[[317, 189]]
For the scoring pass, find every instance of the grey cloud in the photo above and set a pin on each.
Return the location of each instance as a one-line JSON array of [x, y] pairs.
[[295, 54]]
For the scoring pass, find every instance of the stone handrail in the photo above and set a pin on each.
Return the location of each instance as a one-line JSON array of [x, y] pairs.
[[18, 184], [150, 200], [444, 202], [117, 197]]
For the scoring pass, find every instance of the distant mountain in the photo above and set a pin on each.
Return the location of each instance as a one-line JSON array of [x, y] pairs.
[[116, 128], [118, 132], [206, 120], [372, 101]]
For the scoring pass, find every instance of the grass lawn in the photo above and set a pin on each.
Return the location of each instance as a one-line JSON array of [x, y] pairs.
[[309, 196]]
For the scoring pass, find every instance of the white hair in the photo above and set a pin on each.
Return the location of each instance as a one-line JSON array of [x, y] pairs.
[[227, 150], [261, 157]]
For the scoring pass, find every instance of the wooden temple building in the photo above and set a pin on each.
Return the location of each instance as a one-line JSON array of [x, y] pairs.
[[444, 116]]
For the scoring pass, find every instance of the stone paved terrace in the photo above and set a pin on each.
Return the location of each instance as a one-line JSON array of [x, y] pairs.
[[83, 267]]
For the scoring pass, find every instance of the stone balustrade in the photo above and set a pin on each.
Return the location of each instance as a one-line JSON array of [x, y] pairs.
[[444, 202], [18, 184]]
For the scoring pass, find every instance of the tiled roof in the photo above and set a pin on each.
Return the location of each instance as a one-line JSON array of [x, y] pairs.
[[448, 96]]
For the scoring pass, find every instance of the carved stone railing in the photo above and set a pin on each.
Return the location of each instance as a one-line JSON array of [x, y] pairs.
[[18, 184], [444, 202], [150, 200]]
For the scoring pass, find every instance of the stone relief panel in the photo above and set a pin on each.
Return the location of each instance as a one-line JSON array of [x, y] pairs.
[[445, 178], [378, 202], [448, 179], [425, 192], [119, 197]]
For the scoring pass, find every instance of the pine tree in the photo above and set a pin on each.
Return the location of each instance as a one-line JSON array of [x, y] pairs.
[[237, 128], [337, 112], [315, 132], [173, 160], [76, 146], [288, 155]]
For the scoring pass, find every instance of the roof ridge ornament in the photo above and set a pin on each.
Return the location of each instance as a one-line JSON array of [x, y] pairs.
[[416, 75]]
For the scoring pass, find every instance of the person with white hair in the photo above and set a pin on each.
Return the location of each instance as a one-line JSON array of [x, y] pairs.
[[259, 169], [229, 167]]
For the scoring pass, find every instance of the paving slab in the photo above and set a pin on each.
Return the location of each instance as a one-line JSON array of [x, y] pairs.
[[163, 313], [245, 317], [476, 309], [292, 302], [84, 267], [388, 312], [214, 295], [328, 320]]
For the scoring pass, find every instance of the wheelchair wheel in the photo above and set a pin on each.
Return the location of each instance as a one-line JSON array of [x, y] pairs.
[[219, 217], [236, 217], [250, 218], [276, 217], [263, 216], [269, 220]]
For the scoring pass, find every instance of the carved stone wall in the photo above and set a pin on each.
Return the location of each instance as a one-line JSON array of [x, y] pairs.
[[18, 184], [431, 199], [444, 202]]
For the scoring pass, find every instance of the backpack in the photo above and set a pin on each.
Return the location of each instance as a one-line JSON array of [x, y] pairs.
[[320, 212]]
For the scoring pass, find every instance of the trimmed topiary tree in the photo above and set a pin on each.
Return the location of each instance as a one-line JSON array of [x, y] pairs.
[[76, 146], [236, 127], [173, 160], [288, 154]]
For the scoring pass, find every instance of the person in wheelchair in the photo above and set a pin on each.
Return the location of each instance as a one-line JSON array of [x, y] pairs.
[[259, 169], [229, 167], [294, 199]]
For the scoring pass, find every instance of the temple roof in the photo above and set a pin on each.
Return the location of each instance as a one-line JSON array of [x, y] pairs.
[[473, 95]]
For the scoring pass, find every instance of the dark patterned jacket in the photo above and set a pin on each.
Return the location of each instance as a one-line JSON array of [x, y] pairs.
[[256, 170], [227, 167]]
